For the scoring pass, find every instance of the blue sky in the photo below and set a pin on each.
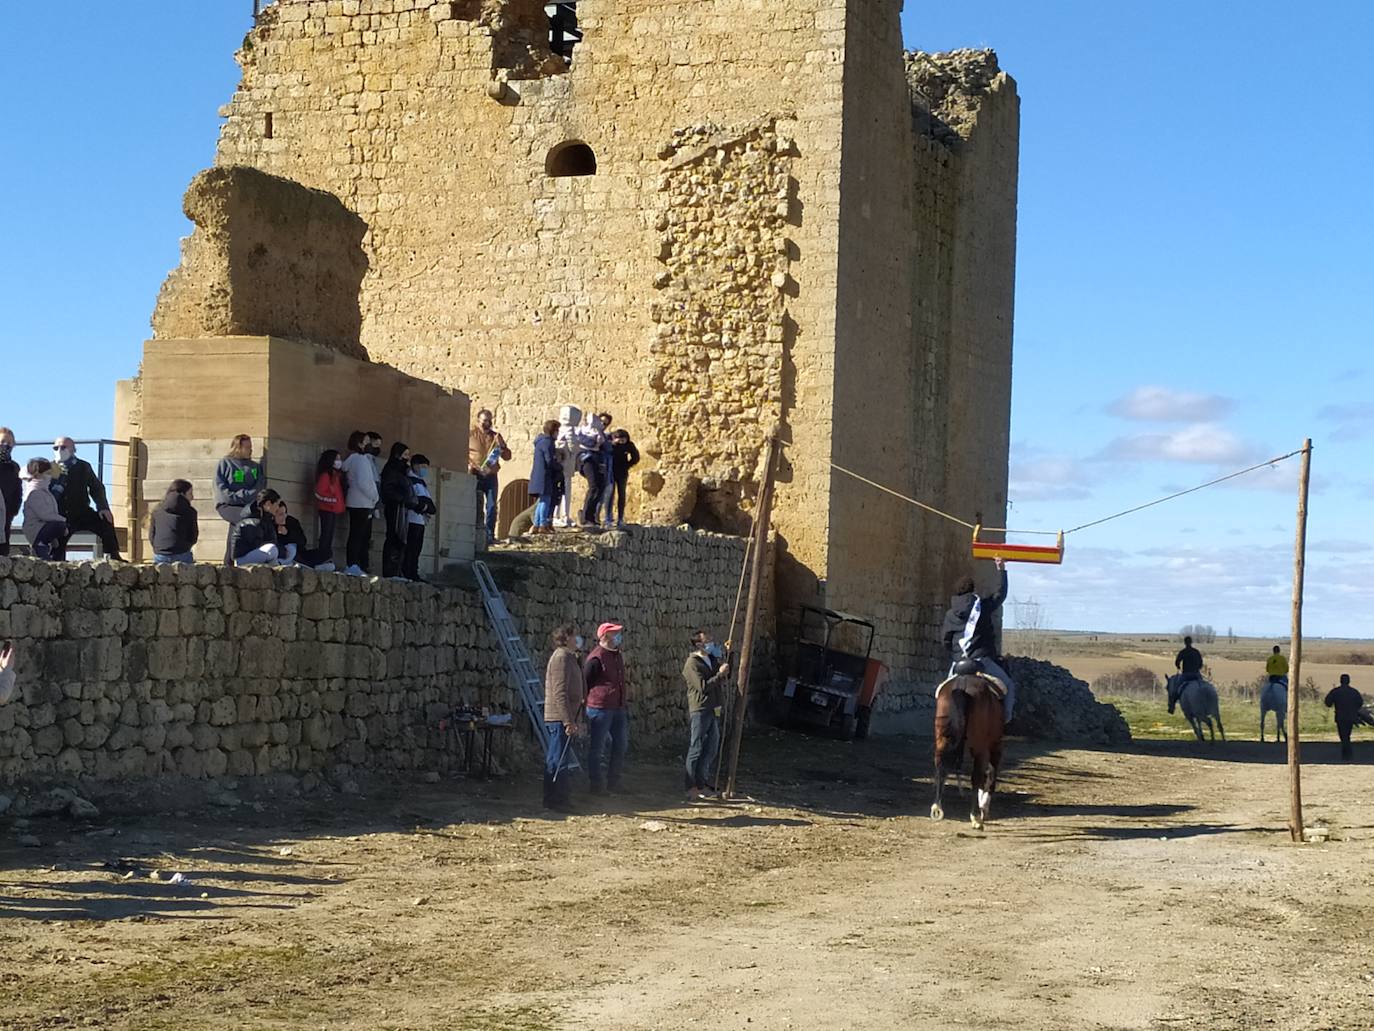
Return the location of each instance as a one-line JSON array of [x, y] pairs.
[[1193, 287]]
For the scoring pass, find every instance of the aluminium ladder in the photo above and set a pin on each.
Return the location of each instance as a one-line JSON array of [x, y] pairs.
[[523, 676]]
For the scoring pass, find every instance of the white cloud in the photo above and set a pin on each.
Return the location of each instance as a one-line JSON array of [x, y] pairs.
[[1348, 421], [1203, 442], [1035, 476], [1161, 404]]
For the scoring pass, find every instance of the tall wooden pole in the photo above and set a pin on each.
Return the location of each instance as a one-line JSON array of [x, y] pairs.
[[1295, 665], [751, 615]]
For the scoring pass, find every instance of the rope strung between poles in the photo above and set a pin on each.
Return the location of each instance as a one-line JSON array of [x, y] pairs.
[[1268, 463], [1190, 490]]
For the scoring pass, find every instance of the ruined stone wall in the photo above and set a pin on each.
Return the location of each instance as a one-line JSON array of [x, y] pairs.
[[923, 337], [140, 671], [529, 291], [268, 257]]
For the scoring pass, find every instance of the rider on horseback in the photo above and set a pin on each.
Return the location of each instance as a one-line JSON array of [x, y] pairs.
[[969, 633], [1188, 662], [1276, 667]]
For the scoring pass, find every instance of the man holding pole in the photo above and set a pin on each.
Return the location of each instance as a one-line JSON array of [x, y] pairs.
[[706, 675], [563, 695]]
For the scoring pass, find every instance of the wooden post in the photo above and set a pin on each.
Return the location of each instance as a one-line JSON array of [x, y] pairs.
[[746, 650], [1295, 663]]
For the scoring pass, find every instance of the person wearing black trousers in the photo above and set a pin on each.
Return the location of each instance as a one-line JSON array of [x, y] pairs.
[[361, 496], [77, 488], [398, 501], [11, 490], [417, 517]]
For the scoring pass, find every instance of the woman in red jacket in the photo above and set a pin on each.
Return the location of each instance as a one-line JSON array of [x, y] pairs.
[[329, 498]]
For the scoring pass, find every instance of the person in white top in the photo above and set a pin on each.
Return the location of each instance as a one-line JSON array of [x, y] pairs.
[[569, 417], [417, 517], [361, 496]]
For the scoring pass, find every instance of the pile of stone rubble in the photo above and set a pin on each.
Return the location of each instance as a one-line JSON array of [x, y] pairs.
[[1054, 705]]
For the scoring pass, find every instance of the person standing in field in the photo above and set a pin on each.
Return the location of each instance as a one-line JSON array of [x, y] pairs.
[[1189, 661], [706, 675], [1347, 703], [608, 715]]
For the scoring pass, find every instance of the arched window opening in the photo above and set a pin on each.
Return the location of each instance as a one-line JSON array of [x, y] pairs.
[[570, 159], [564, 34]]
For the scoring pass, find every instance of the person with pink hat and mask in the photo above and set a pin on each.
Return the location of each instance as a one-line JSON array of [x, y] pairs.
[[608, 714]]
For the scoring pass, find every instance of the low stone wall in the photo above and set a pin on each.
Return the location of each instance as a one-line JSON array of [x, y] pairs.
[[141, 671]]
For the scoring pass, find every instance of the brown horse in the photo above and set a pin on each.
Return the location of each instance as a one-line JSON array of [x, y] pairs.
[[968, 715]]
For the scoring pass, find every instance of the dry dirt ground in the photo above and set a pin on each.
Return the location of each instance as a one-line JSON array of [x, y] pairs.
[[1153, 887]]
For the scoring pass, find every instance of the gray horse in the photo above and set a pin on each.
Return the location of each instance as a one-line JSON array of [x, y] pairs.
[[1274, 698], [1199, 702]]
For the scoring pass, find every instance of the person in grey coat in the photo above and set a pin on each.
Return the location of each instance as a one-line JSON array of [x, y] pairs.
[[237, 481]]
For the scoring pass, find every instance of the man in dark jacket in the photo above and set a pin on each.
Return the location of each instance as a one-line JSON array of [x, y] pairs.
[[11, 490], [175, 526], [970, 631], [253, 538], [706, 677], [1347, 703], [1189, 661], [81, 500]]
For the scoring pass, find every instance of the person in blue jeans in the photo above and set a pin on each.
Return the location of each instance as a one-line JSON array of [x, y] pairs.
[[546, 477], [608, 715], [486, 451], [563, 698], [706, 674]]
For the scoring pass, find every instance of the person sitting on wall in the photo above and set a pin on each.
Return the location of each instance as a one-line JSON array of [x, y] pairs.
[[11, 490], [175, 526], [237, 481], [77, 488], [625, 456], [329, 499], [418, 517], [546, 478], [294, 551], [44, 525], [486, 451], [970, 632], [361, 497], [1189, 661], [253, 539]]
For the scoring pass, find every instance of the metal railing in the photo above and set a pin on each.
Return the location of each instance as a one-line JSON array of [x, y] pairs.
[[110, 467]]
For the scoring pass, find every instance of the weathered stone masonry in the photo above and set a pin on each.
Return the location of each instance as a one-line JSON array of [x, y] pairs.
[[791, 220], [141, 671]]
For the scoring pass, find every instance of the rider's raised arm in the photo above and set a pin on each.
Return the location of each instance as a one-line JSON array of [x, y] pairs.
[[992, 604]]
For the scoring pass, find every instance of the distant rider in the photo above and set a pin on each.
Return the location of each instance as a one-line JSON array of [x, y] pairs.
[[1189, 661], [1276, 667], [969, 631]]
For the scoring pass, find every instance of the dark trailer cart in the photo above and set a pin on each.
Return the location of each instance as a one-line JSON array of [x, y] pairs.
[[835, 679]]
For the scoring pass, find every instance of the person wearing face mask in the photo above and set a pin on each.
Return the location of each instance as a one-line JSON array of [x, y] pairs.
[[238, 478], [706, 674], [608, 715], [564, 691], [398, 501], [361, 495], [546, 478], [591, 463], [329, 499], [254, 536], [44, 525], [11, 490], [81, 500], [418, 517]]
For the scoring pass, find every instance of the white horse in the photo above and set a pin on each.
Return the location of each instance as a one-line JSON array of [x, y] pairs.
[[1199, 702], [1274, 698]]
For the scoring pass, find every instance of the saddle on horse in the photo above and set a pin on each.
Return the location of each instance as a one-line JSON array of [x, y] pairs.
[[967, 667]]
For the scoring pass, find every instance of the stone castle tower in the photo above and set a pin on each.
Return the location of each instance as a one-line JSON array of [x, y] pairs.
[[709, 217]]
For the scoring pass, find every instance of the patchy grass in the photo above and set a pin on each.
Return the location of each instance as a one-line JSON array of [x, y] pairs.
[[1149, 719]]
